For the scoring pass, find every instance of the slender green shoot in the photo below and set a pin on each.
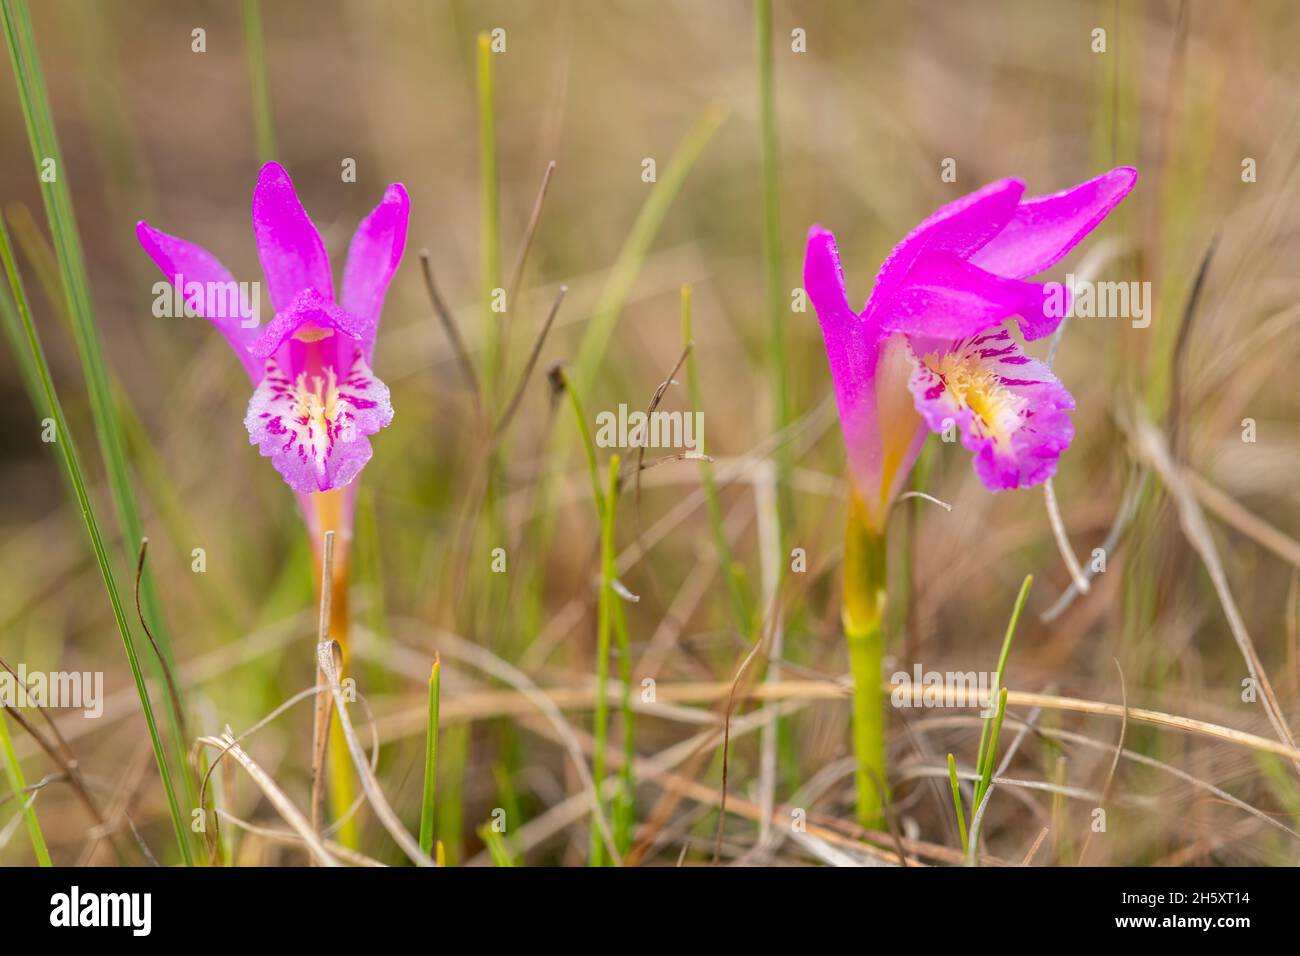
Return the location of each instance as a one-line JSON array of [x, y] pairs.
[[1002, 662], [430, 759], [17, 783], [588, 444], [777, 311], [263, 115], [625, 802], [496, 846], [990, 757], [956, 802], [67, 449], [490, 226], [604, 613], [452, 760]]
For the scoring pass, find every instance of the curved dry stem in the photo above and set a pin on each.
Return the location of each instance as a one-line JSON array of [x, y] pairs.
[[282, 804], [328, 659]]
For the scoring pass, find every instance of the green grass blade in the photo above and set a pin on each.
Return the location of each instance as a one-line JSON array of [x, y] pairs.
[[26, 367], [67, 450], [57, 198], [490, 225], [14, 771], [496, 846], [991, 755], [604, 611], [956, 802], [263, 115], [430, 759], [1002, 660], [776, 301]]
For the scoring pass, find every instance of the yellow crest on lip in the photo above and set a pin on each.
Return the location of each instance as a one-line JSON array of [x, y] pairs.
[[970, 383]]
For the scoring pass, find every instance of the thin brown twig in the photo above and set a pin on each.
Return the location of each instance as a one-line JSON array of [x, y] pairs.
[[1033, 848], [453, 332], [530, 231], [518, 396], [726, 739], [45, 713], [1181, 348], [227, 744], [1152, 447], [172, 692], [329, 658], [655, 399]]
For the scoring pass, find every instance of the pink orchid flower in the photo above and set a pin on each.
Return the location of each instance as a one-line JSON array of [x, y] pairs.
[[931, 338], [315, 400]]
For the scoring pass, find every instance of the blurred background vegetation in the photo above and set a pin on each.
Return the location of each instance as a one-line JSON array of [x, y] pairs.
[[864, 118]]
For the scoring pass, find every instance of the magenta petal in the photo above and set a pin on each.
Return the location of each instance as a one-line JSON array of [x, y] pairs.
[[187, 262], [882, 433], [308, 307], [1045, 228], [373, 258], [293, 256], [961, 228], [1011, 410], [849, 348], [947, 297], [851, 353]]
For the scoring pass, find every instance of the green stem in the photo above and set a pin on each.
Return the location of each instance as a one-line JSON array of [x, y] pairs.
[[263, 116], [863, 612], [430, 759], [777, 357], [68, 451], [955, 784], [18, 784], [604, 616], [625, 803], [491, 224]]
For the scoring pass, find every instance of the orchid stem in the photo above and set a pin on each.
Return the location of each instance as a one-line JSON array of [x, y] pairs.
[[863, 614]]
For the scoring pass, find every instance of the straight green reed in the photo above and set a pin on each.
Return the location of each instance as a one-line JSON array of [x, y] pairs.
[[604, 615], [34, 100], [777, 311], [18, 784], [430, 759], [259, 78], [739, 598], [490, 227], [625, 802], [68, 451], [609, 616]]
